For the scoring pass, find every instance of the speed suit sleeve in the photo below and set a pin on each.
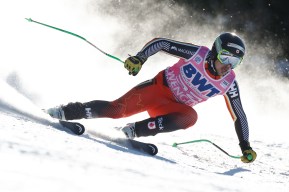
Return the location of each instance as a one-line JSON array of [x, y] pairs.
[[236, 110], [175, 48]]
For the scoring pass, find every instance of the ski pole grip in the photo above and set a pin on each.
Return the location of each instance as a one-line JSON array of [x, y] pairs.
[[175, 145], [249, 157]]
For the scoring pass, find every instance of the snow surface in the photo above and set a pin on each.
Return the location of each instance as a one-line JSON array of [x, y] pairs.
[[42, 67]]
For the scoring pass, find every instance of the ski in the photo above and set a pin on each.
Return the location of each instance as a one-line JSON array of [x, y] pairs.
[[76, 128], [79, 129], [147, 148]]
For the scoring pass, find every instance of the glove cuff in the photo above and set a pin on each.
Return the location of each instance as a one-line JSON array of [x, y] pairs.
[[141, 57], [245, 145]]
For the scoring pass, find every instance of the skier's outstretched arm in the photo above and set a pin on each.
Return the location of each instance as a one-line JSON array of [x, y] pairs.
[[235, 107]]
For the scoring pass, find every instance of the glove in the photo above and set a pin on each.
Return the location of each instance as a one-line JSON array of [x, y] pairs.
[[133, 64], [249, 155]]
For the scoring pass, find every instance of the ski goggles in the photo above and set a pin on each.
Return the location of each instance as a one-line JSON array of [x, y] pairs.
[[226, 58]]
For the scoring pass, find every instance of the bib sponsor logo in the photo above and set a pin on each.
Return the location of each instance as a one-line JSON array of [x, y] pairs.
[[179, 89], [198, 59], [199, 82], [225, 84]]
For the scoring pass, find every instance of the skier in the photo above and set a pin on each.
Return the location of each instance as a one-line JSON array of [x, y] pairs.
[[169, 97]]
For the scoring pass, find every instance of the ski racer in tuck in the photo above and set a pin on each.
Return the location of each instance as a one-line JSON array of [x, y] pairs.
[[170, 96]]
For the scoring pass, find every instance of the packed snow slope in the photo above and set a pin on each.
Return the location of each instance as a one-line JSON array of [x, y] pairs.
[[36, 155], [42, 67]]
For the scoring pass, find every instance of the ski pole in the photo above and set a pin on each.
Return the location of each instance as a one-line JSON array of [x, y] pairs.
[[208, 141], [68, 32]]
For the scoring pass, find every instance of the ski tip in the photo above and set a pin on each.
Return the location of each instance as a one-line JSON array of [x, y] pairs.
[[76, 128], [154, 149], [147, 148], [81, 130]]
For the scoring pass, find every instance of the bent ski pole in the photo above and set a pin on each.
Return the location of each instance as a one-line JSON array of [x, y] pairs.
[[208, 141], [68, 32]]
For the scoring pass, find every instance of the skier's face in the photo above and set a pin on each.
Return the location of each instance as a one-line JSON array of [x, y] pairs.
[[221, 68]]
